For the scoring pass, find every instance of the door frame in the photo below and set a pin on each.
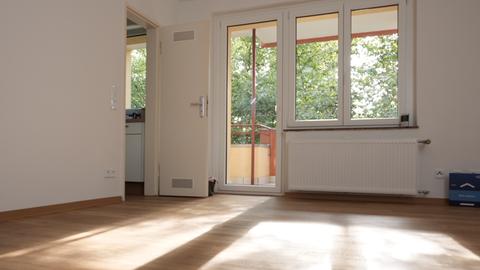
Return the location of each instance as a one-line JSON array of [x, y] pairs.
[[218, 97], [152, 112]]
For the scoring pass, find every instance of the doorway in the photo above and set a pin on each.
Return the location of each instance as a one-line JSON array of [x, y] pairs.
[[141, 105], [135, 101]]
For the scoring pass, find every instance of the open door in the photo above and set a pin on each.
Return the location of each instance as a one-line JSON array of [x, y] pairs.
[[142, 139], [184, 124]]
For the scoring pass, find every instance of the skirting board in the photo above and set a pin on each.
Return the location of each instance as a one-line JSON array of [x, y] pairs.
[[57, 208], [366, 198]]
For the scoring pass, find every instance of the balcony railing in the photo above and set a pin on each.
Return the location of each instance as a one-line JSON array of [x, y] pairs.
[[242, 134]]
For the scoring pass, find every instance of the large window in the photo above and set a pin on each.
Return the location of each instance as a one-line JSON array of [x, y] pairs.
[[348, 62], [323, 64], [136, 73]]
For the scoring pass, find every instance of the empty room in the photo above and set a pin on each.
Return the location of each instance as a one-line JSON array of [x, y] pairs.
[[226, 134]]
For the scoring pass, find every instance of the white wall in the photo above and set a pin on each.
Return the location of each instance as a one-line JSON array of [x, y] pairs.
[[58, 133], [448, 91], [61, 57], [447, 83]]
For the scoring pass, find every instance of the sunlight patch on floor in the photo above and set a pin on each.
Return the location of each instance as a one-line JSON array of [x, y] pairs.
[[129, 246], [313, 242], [380, 246], [310, 245], [52, 244]]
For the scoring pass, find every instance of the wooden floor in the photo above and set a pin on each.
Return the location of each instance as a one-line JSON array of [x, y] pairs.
[[245, 232]]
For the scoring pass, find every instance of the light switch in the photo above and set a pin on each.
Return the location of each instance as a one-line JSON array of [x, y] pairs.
[[114, 97]]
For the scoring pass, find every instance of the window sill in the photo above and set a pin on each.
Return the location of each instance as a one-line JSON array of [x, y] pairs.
[[348, 128]]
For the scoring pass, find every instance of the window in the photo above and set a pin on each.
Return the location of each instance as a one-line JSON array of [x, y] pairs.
[[374, 63], [136, 77], [348, 64], [316, 76], [321, 64]]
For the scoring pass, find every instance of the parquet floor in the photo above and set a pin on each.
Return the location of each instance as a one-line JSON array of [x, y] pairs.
[[245, 232]]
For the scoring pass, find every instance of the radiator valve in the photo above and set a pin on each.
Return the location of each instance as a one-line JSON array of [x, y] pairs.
[[423, 192]]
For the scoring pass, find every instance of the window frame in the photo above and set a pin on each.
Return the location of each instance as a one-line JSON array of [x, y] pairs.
[[286, 75], [367, 4], [405, 69], [218, 95], [312, 9]]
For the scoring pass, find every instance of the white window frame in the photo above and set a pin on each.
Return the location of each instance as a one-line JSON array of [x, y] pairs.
[[312, 9], [401, 94], [286, 75], [405, 58], [219, 138]]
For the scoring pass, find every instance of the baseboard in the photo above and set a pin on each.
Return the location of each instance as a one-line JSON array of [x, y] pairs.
[[366, 198], [57, 208]]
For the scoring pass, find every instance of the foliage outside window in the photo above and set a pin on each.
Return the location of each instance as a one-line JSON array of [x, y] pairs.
[[316, 68], [371, 93], [241, 93], [374, 68], [347, 65]]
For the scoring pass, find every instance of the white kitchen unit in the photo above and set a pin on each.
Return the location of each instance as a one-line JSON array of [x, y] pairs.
[[135, 133]]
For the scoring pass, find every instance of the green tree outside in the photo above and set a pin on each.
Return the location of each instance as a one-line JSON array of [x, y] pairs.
[[374, 81]]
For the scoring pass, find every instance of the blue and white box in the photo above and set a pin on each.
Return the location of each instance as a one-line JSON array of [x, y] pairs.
[[464, 189]]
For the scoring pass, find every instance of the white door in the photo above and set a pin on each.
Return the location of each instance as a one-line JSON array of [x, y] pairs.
[[183, 132]]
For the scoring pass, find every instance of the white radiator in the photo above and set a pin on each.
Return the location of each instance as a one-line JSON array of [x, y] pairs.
[[381, 167]]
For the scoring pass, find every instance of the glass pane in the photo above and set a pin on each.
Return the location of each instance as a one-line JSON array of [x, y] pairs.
[[374, 63], [316, 96], [252, 97]]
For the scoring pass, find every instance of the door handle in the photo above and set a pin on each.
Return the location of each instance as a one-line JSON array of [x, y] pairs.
[[202, 106]]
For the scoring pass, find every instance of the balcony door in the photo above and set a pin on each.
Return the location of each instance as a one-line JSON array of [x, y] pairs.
[[251, 85]]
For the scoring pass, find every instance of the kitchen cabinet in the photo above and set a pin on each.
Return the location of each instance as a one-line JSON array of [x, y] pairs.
[[135, 136]]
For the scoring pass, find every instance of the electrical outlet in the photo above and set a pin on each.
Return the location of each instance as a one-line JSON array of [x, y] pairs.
[[440, 174], [110, 173]]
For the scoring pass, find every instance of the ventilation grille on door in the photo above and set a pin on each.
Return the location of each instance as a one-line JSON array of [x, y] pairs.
[[185, 35], [182, 183]]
